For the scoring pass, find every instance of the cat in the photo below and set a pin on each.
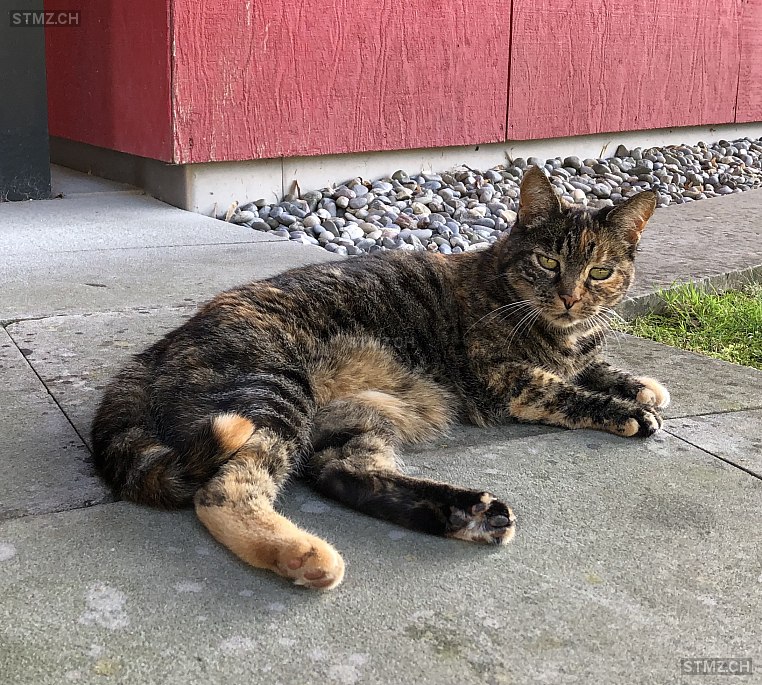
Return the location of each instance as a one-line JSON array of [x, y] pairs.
[[325, 371]]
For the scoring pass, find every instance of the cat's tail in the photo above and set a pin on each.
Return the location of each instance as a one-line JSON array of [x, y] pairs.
[[135, 462]]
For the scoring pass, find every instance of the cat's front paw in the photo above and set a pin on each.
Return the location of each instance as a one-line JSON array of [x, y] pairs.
[[486, 520], [636, 422], [653, 393]]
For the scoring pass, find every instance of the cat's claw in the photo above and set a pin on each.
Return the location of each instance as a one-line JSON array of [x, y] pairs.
[[487, 520]]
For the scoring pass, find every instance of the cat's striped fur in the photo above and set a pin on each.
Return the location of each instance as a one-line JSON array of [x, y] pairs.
[[327, 370]]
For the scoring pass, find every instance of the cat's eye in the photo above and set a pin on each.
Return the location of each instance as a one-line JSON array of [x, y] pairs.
[[600, 273], [547, 262]]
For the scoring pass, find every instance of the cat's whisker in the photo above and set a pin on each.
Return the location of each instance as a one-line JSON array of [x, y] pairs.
[[609, 331], [504, 316], [533, 322], [594, 325], [592, 330], [607, 323], [527, 320], [613, 314], [619, 335], [502, 308], [603, 328], [516, 329]]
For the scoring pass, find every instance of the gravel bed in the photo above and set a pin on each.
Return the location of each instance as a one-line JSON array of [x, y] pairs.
[[465, 209]]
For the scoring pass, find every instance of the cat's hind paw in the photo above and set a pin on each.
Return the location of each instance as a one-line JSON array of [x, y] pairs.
[[487, 520], [311, 562], [653, 394]]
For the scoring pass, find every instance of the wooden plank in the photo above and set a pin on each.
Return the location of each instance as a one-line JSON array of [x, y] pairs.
[[749, 107], [582, 67], [109, 78], [266, 78]]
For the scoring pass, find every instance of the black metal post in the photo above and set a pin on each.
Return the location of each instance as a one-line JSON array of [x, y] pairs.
[[24, 153]]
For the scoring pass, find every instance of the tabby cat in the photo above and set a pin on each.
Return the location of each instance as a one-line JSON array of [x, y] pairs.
[[325, 371]]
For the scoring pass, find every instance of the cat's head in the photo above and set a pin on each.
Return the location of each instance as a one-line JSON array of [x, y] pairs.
[[568, 262]]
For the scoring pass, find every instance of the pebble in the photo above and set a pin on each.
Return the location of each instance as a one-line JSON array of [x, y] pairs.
[[422, 233], [573, 162], [353, 232], [466, 209]]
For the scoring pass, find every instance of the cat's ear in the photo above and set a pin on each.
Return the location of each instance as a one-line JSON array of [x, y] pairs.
[[537, 199], [631, 216]]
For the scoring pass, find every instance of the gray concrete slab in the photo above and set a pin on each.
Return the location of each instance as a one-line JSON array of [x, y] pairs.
[[16, 376], [85, 254], [77, 355], [736, 436], [629, 556], [123, 221], [698, 384], [700, 241], [45, 465], [108, 280]]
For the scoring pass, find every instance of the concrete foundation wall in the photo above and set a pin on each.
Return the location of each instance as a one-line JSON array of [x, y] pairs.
[[210, 188]]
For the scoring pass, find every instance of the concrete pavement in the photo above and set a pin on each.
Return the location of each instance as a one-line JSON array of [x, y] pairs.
[[630, 555]]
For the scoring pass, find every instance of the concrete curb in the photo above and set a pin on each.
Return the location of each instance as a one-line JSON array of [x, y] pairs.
[[640, 305]]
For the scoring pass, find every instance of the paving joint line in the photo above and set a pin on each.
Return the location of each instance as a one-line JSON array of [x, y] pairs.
[[9, 322], [66, 510], [164, 247], [721, 412], [749, 472], [47, 390]]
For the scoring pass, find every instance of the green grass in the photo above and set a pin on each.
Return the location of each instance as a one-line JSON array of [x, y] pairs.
[[725, 325]]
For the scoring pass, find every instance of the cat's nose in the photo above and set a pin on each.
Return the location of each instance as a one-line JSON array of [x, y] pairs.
[[568, 300]]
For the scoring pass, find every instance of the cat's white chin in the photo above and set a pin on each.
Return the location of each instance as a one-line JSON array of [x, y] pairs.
[[565, 320]]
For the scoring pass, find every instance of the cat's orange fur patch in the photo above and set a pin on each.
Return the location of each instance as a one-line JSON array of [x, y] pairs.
[[232, 431], [654, 394], [585, 237], [630, 428], [413, 423], [264, 539], [362, 369]]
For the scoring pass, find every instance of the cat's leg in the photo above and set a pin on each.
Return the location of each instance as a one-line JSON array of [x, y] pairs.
[[236, 506], [602, 377], [538, 396], [355, 463]]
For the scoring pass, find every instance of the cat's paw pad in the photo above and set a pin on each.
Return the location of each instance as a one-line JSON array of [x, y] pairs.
[[487, 520], [312, 563], [642, 424], [653, 394]]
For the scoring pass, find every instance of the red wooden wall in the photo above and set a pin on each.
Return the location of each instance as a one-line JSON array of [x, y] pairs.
[[267, 78], [749, 106], [586, 67], [197, 80], [109, 79]]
